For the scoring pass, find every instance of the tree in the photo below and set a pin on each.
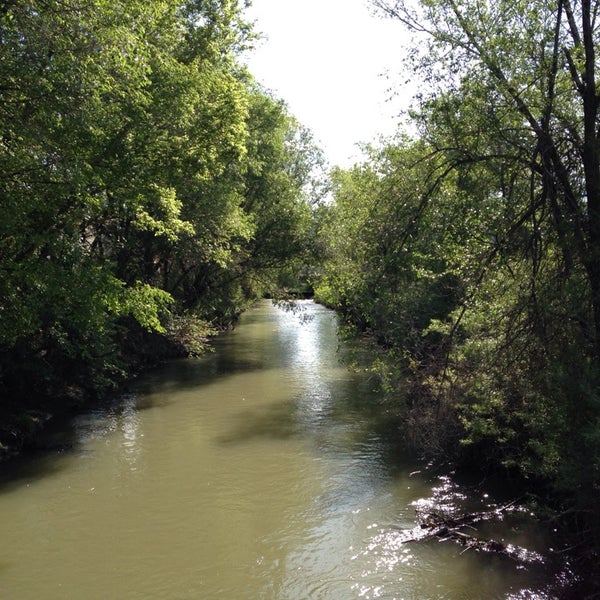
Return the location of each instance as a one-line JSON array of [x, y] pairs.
[[538, 63], [392, 264], [281, 190], [511, 115], [73, 77], [470, 255], [125, 173]]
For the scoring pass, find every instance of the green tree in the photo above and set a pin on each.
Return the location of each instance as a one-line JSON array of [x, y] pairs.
[[511, 112], [147, 186], [70, 85], [536, 63], [392, 260], [124, 130], [280, 190]]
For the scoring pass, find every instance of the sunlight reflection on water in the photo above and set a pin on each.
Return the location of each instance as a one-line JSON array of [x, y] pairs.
[[260, 471]]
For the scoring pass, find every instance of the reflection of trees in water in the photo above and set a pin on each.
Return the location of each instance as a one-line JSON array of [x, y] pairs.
[[122, 416], [130, 428], [303, 309]]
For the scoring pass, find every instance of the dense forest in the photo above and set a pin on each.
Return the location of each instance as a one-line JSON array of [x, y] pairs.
[[151, 189], [470, 252]]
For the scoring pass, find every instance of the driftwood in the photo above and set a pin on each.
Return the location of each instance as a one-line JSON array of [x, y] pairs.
[[440, 526]]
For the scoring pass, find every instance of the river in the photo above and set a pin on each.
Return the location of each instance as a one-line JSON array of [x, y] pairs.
[[264, 470]]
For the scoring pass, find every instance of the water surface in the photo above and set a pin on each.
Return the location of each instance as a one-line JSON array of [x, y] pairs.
[[266, 469]]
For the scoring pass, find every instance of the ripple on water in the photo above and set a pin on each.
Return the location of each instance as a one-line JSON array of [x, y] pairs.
[[259, 472]]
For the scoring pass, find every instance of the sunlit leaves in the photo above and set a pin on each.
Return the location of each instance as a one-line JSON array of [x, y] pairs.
[[126, 132], [146, 304], [167, 208]]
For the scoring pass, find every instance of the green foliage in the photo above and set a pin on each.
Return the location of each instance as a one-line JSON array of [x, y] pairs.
[[471, 255], [145, 303], [192, 333], [131, 140], [383, 271], [169, 224]]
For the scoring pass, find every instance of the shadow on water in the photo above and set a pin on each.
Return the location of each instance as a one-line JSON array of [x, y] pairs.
[[64, 437], [342, 417], [232, 355], [273, 422], [334, 412], [22, 470]]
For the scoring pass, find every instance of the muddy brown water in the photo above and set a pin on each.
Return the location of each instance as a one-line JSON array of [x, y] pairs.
[[263, 470]]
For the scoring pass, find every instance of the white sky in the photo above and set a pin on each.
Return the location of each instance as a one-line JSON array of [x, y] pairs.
[[328, 60]]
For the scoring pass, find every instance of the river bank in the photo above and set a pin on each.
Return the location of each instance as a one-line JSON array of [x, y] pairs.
[[26, 413], [265, 469], [356, 420]]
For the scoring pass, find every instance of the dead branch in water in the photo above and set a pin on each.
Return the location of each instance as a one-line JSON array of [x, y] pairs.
[[436, 525]]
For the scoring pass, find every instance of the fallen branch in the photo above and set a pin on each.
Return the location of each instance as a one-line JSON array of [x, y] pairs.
[[436, 525]]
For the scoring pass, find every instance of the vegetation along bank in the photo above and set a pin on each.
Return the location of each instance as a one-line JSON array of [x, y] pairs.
[[150, 189]]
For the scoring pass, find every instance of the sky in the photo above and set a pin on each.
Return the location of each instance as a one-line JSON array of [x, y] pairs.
[[336, 66]]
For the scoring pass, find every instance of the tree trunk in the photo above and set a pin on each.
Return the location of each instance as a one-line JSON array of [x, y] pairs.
[[591, 166]]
